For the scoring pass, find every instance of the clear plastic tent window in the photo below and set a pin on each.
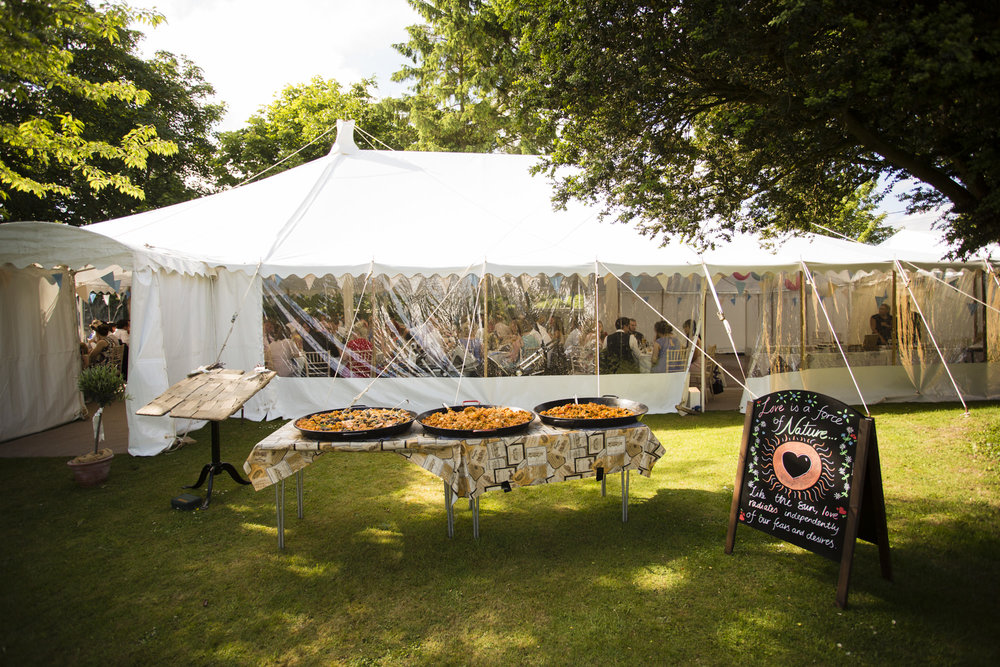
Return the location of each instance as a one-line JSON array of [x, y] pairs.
[[470, 326]]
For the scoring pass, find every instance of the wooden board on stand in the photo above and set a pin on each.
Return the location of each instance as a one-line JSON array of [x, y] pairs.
[[213, 395]]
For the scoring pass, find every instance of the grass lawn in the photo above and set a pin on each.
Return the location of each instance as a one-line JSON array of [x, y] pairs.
[[112, 575]]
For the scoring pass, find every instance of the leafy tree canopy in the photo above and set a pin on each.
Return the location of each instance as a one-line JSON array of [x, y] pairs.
[[178, 107], [45, 93], [281, 132], [461, 62], [762, 114]]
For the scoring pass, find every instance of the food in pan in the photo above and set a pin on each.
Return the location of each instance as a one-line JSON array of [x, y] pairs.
[[587, 411], [353, 419], [475, 418]]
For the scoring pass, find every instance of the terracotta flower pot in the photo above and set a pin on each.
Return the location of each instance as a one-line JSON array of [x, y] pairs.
[[91, 471]]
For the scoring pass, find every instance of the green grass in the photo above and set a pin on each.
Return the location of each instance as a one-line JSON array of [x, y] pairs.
[[112, 575]]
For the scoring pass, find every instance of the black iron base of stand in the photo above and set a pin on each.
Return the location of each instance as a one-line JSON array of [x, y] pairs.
[[215, 467]]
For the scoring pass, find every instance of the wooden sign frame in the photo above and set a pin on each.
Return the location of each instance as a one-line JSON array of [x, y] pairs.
[[865, 512]]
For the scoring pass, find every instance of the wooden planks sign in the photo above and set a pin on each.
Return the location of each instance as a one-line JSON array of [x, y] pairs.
[[809, 474]]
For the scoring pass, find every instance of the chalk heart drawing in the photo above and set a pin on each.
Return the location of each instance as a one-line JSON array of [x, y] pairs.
[[797, 465]]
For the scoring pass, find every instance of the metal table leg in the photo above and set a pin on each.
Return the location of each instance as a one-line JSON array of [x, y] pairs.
[[625, 481], [449, 510], [475, 517], [299, 486], [279, 506]]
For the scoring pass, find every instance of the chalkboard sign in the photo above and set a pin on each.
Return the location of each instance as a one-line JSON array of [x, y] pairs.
[[809, 474]]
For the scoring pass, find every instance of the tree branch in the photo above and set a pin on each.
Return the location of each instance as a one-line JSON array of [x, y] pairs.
[[963, 200]]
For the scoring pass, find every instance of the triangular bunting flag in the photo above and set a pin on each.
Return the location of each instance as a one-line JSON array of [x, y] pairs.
[[57, 277], [109, 278], [107, 299], [635, 280], [310, 279], [733, 301], [93, 295], [740, 287], [879, 300], [556, 281]]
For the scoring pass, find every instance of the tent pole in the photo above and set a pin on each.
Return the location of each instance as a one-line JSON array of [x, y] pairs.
[[597, 329], [895, 317], [986, 318], [802, 317], [486, 325]]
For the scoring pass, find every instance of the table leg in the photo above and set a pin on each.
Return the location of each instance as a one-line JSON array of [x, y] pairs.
[[449, 510], [625, 481], [475, 517], [217, 466], [279, 506], [299, 486]]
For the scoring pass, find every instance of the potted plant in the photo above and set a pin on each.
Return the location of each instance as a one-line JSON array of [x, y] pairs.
[[102, 384]]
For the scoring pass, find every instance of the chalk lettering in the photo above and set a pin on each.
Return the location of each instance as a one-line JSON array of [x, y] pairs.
[[801, 428], [803, 507]]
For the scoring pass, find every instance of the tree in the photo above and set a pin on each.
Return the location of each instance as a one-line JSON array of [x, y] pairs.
[[763, 114], [178, 108], [42, 87], [302, 114], [460, 60]]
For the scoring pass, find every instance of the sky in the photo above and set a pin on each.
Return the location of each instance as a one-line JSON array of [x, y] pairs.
[[249, 50]]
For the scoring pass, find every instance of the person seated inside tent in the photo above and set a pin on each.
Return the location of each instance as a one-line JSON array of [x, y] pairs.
[[620, 353], [632, 327], [102, 343], [881, 324], [665, 341]]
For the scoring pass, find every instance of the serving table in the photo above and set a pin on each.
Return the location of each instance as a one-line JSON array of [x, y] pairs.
[[214, 395], [470, 467]]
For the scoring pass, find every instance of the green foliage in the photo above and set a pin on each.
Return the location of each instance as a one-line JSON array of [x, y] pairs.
[[102, 384], [461, 65], [760, 115], [858, 218], [302, 114], [46, 97]]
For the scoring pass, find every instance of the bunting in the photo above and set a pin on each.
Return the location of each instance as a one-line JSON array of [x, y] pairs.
[[879, 300], [57, 278], [556, 281], [635, 280], [740, 287]]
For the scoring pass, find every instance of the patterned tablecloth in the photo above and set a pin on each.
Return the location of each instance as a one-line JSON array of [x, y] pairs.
[[472, 466]]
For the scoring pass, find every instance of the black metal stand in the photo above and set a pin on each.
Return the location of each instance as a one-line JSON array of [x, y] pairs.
[[216, 466]]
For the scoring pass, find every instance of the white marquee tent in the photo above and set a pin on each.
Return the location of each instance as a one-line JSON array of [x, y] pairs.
[[198, 268]]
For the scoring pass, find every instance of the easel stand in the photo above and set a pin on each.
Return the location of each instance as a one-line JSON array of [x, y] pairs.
[[216, 466], [789, 438]]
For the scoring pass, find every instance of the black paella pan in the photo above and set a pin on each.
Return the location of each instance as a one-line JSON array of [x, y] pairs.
[[472, 433], [358, 434], [637, 409]]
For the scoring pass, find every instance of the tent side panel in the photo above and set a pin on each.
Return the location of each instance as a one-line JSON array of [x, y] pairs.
[[39, 352]]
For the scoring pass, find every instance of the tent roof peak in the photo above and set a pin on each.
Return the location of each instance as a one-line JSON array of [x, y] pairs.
[[344, 145]]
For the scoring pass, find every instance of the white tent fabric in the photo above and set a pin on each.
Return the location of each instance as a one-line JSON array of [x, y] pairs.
[[199, 264]]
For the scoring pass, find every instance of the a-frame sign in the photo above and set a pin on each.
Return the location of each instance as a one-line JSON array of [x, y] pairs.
[[809, 474]]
